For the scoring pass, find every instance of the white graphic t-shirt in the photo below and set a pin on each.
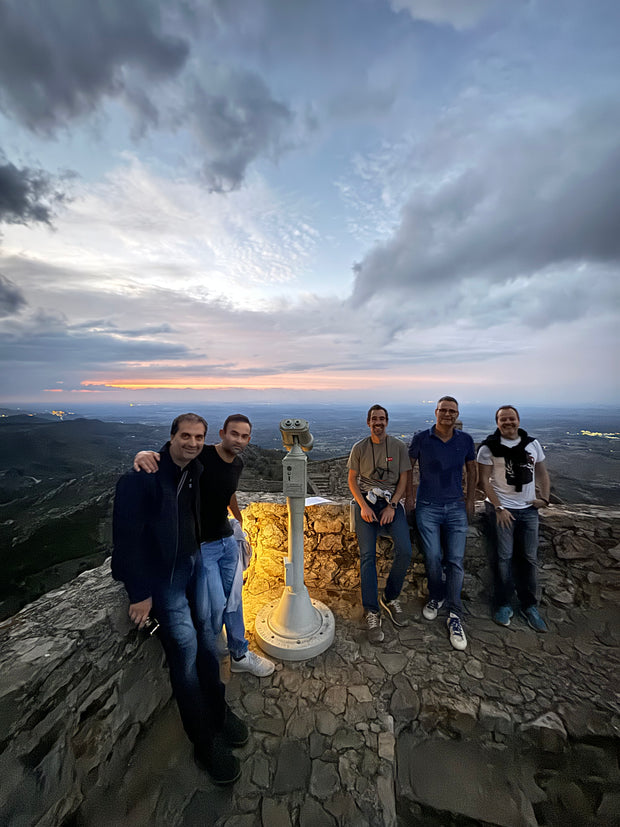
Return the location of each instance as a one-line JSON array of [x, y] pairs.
[[508, 496]]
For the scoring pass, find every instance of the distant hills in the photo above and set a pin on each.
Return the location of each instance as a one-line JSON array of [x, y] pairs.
[[57, 481]]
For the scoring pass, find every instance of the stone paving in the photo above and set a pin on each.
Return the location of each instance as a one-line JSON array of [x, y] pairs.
[[520, 729]]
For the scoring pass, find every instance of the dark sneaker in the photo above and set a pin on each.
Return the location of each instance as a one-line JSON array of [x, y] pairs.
[[375, 632], [235, 731], [394, 611], [457, 633], [431, 609], [217, 759], [534, 619], [503, 615]]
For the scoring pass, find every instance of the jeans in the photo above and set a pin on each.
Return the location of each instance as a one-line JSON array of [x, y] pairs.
[[367, 534], [516, 547], [446, 521], [178, 605], [220, 559]]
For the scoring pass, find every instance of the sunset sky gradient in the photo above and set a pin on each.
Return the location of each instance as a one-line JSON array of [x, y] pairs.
[[264, 200]]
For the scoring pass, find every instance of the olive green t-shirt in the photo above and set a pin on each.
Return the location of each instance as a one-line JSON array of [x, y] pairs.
[[379, 465]]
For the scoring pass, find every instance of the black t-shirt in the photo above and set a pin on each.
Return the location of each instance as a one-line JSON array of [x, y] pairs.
[[218, 483]]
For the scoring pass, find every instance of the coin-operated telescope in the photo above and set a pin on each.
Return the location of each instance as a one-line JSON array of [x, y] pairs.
[[295, 627]]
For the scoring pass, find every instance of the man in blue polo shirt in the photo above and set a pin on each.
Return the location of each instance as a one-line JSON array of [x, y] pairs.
[[442, 511]]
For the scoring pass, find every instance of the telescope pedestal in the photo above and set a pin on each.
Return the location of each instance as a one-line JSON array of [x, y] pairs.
[[281, 640], [295, 627]]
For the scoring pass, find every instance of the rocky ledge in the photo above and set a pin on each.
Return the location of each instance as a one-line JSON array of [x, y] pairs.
[[520, 729]]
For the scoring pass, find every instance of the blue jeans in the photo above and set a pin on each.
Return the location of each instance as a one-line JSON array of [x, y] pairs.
[[178, 605], [220, 559], [516, 548], [447, 522], [367, 534]]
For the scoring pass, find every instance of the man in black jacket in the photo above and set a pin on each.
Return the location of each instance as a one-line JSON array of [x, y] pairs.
[[156, 556]]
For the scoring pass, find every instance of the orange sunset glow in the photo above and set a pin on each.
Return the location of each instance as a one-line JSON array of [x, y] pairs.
[[306, 381]]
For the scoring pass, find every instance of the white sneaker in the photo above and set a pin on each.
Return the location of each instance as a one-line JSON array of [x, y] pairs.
[[457, 633], [431, 609], [252, 663]]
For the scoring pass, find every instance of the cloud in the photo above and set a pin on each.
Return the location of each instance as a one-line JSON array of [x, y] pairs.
[[236, 119], [26, 195], [526, 212], [152, 230], [58, 60], [460, 14], [11, 297]]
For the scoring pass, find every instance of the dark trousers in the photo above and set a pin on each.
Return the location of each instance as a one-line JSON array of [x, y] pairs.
[[516, 556], [181, 608]]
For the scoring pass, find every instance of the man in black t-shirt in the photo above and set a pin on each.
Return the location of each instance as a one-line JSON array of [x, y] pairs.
[[219, 549]]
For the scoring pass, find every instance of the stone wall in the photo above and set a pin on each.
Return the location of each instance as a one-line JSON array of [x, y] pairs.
[[579, 551], [78, 685]]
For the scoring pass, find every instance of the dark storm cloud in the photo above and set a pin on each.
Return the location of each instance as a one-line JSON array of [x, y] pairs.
[[26, 194], [58, 59], [46, 342], [11, 297], [236, 119], [531, 201]]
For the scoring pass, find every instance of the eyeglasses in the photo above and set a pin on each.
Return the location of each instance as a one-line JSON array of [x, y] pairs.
[[450, 411]]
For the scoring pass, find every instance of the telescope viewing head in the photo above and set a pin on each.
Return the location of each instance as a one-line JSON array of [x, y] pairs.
[[296, 432]]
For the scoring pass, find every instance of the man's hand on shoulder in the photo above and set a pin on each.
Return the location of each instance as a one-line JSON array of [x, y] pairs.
[[146, 461], [139, 612]]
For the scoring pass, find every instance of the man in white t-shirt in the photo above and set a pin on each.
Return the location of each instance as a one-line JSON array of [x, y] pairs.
[[511, 468]]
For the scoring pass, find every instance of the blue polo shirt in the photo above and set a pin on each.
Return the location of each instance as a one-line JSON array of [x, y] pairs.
[[441, 464]]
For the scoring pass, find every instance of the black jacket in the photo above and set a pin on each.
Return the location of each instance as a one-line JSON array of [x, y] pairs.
[[145, 525]]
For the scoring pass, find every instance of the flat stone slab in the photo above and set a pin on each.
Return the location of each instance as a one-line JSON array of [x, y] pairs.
[[463, 779]]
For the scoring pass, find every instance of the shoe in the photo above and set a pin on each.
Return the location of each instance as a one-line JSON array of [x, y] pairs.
[[534, 619], [503, 615], [431, 609], [235, 731], [457, 633], [375, 632], [394, 611], [252, 663], [217, 759]]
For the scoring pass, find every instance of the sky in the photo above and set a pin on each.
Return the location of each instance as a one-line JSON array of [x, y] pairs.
[[259, 200]]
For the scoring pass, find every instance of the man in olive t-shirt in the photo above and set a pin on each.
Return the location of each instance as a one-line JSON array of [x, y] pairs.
[[378, 468]]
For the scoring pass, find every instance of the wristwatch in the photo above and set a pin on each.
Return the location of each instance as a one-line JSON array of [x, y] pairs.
[[394, 505], [499, 508]]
